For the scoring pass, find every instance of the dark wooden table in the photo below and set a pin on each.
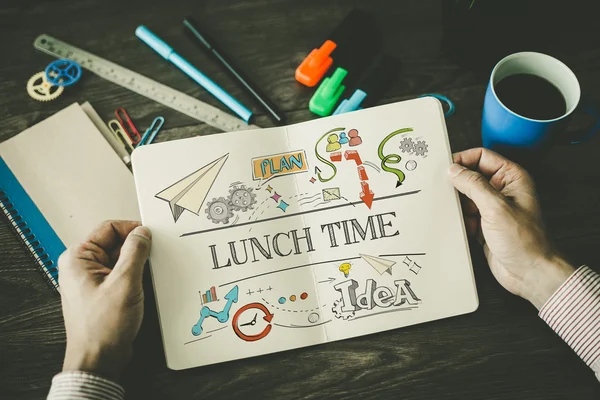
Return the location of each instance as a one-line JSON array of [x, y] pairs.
[[502, 351]]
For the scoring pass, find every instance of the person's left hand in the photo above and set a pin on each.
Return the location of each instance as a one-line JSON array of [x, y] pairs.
[[102, 297]]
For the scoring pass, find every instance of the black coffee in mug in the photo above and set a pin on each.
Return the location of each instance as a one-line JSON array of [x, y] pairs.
[[531, 96]]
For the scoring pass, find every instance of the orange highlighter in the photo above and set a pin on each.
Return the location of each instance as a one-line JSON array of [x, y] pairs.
[[353, 38], [316, 64]]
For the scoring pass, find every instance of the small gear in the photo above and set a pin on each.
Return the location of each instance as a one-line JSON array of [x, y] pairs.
[[421, 148], [219, 210], [407, 145], [242, 198], [63, 72], [40, 89], [337, 310]]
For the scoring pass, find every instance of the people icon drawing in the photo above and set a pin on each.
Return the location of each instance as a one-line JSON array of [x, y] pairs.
[[355, 140], [344, 138], [333, 143]]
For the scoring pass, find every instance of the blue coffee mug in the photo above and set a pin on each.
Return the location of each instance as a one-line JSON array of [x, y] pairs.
[[505, 131]]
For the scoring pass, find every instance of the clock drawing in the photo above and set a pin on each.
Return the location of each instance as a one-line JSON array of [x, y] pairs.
[[252, 322]]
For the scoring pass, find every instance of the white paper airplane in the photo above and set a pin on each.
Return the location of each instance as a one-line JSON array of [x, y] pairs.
[[190, 192], [381, 265]]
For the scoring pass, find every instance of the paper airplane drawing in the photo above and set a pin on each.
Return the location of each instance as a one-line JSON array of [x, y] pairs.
[[380, 265], [190, 192]]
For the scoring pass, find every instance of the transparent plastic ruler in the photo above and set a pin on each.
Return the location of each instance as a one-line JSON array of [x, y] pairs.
[[140, 84]]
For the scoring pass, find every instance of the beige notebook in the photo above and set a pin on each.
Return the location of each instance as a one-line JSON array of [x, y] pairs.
[[58, 180], [274, 239]]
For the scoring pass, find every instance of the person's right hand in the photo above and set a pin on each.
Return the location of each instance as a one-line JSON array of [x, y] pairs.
[[502, 210]]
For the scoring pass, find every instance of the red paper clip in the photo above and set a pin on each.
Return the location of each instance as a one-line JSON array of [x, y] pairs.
[[132, 132]]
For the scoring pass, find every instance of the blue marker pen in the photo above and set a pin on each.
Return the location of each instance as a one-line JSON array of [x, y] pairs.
[[169, 54], [352, 103]]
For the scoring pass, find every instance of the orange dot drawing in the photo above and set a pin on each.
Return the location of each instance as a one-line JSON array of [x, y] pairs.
[[293, 297]]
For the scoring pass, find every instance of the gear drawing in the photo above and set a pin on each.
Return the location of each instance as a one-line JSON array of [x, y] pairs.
[[407, 145], [241, 198], [421, 148], [219, 210], [40, 89], [337, 310]]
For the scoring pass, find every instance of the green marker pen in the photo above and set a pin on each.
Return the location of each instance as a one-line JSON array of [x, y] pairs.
[[329, 92]]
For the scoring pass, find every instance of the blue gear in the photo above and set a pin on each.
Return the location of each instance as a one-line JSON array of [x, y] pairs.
[[63, 72]]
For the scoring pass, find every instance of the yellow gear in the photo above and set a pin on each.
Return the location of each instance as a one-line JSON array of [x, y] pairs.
[[40, 89]]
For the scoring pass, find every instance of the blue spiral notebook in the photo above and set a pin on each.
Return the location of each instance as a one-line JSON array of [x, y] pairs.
[[29, 223], [58, 180]]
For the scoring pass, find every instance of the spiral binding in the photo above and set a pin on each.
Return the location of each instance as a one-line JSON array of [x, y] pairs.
[[45, 265]]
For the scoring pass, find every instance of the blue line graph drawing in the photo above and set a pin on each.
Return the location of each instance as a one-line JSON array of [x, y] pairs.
[[221, 316]]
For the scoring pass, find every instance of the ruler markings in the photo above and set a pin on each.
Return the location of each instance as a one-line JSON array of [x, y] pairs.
[[142, 85]]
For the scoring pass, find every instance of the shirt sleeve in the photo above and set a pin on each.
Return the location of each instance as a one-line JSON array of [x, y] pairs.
[[82, 385], [573, 312]]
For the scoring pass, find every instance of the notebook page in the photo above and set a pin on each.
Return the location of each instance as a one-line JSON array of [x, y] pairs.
[[398, 258], [72, 174], [306, 231], [223, 225]]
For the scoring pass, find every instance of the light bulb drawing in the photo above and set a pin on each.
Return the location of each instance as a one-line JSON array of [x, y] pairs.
[[345, 269]]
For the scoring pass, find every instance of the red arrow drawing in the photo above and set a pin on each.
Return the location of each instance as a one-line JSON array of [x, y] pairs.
[[353, 155], [362, 174], [268, 317], [367, 195], [335, 157]]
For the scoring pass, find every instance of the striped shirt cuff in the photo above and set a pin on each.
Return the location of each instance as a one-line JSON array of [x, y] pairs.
[[82, 385], [573, 312]]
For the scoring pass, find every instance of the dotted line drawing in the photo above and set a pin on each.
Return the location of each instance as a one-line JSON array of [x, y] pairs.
[[298, 195], [296, 311], [269, 206], [257, 208]]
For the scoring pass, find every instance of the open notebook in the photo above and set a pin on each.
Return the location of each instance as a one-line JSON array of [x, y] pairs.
[[59, 179], [286, 237]]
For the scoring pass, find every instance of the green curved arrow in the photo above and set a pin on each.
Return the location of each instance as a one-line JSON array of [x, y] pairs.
[[392, 158], [324, 160]]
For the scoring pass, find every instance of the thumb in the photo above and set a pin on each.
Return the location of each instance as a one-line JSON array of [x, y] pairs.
[[134, 253], [476, 187]]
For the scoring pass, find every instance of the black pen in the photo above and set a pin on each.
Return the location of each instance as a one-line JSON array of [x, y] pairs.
[[208, 44]]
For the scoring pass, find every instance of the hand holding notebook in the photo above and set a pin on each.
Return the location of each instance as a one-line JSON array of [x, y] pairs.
[[59, 179], [103, 297]]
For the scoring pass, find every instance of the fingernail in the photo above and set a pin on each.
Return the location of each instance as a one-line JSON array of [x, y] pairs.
[[455, 169], [143, 232]]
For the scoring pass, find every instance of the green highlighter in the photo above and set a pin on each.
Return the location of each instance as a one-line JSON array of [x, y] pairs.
[[329, 92]]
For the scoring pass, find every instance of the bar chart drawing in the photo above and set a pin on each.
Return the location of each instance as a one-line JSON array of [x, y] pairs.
[[209, 296]]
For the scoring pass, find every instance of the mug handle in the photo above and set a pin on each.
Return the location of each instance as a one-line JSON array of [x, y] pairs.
[[591, 109]]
